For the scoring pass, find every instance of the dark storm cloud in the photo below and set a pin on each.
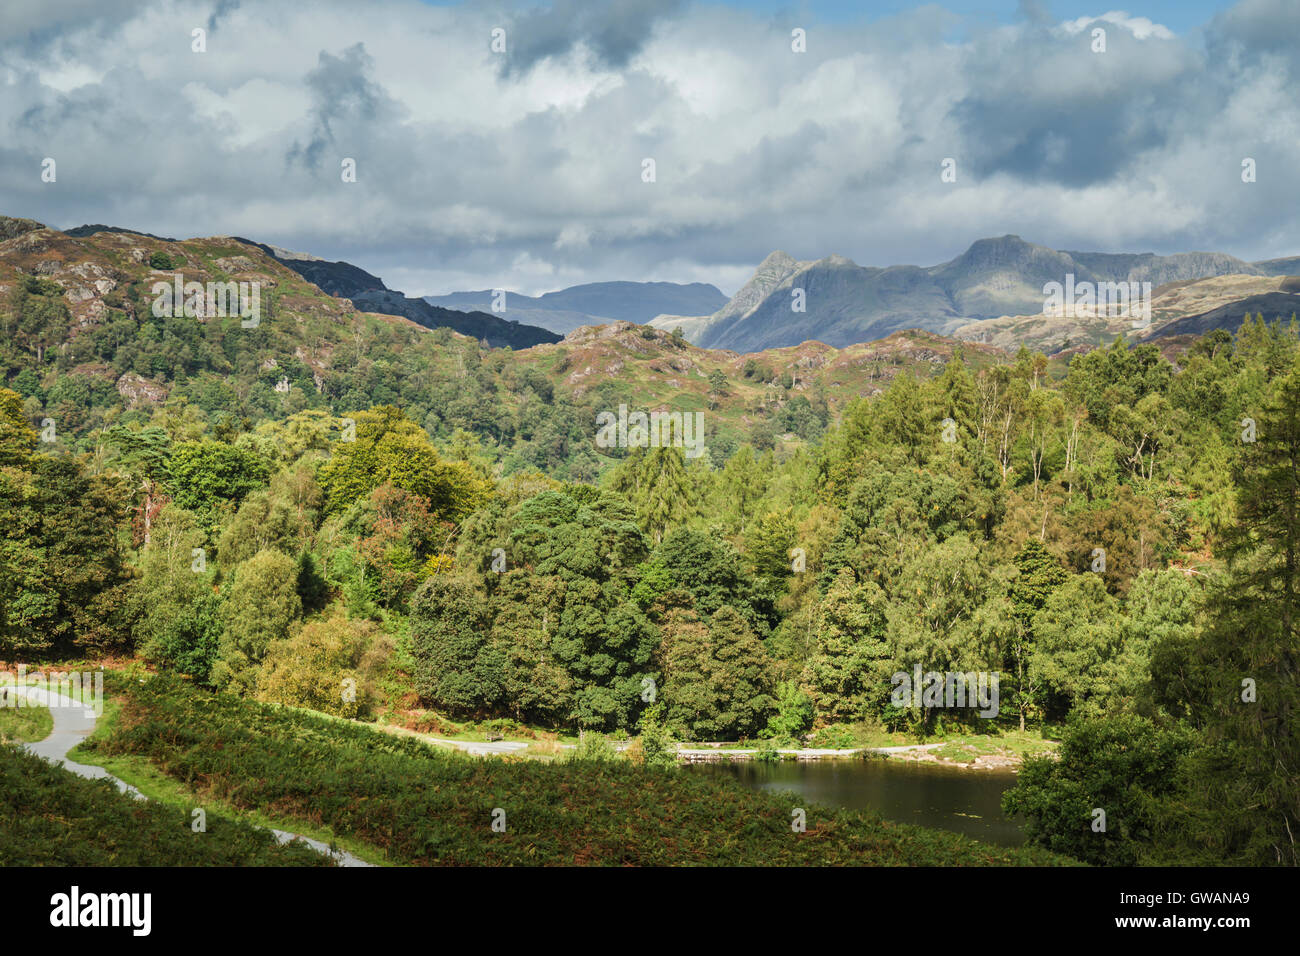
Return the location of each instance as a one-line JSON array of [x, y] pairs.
[[222, 10], [345, 103], [1083, 115], [613, 31]]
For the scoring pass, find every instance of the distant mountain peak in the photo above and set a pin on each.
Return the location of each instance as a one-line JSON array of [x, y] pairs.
[[994, 277], [594, 303], [778, 259]]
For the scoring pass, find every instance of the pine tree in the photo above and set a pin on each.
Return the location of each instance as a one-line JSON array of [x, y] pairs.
[[1240, 801], [846, 673], [1040, 574]]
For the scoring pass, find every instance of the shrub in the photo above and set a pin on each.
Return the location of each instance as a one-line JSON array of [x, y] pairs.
[[794, 713], [657, 745], [593, 748], [1122, 765], [835, 737]]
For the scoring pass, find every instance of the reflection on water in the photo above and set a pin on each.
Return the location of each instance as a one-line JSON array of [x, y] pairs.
[[964, 801]]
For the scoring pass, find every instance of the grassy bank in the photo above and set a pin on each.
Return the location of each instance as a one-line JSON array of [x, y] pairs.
[[420, 805], [51, 817], [25, 724]]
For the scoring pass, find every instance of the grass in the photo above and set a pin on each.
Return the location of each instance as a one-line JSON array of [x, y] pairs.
[[424, 805], [51, 817], [964, 749], [25, 724]]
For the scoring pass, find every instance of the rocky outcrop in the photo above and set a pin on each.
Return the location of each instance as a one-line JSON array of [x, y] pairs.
[[11, 228], [139, 391]]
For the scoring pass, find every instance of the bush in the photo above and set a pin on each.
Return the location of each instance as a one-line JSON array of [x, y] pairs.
[[1122, 765], [768, 752], [160, 260], [794, 713], [657, 747], [835, 737], [593, 748]]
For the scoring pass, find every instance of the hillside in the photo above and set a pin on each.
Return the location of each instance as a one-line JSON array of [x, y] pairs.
[[399, 512], [1189, 306], [1282, 304], [367, 292], [85, 350], [1001, 277]]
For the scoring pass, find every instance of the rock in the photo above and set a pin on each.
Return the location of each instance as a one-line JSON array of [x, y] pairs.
[[138, 390], [235, 264]]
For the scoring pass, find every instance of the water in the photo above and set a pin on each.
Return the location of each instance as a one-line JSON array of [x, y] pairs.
[[948, 798]]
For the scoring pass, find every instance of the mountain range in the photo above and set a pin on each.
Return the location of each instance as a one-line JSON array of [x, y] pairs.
[[369, 293], [992, 294], [994, 279], [595, 303], [83, 346]]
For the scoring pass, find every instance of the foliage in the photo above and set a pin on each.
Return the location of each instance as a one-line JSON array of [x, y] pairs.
[[50, 817], [1122, 766], [262, 604], [321, 667], [423, 805]]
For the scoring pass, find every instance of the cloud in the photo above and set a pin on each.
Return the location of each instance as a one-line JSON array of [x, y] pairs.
[[529, 177], [345, 102], [612, 31]]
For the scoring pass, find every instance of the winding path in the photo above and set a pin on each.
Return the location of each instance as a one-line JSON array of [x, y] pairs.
[[73, 723]]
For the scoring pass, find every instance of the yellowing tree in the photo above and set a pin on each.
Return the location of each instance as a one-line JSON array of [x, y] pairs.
[[389, 447]]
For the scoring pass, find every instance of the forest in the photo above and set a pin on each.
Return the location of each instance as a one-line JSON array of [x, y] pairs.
[[1115, 535]]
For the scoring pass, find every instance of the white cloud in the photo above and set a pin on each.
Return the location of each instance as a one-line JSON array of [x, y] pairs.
[[476, 176]]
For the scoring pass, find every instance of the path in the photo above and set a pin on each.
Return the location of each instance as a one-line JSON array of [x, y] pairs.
[[73, 723], [479, 748], [806, 754], [483, 749]]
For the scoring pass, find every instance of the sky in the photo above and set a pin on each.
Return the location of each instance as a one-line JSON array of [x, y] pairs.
[[526, 169]]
